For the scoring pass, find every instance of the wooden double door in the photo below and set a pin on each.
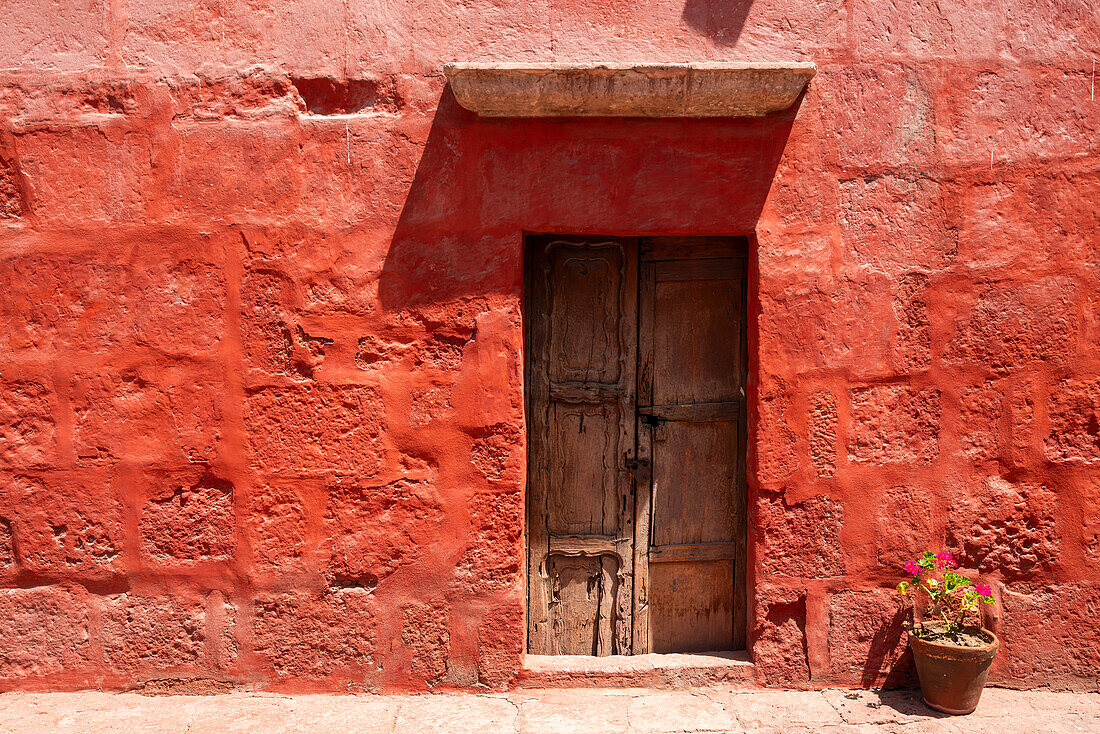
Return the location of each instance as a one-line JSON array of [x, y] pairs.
[[635, 373]]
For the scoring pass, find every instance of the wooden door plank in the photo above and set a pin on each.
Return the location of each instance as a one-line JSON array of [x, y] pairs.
[[687, 552], [536, 326], [699, 412], [694, 248], [643, 479]]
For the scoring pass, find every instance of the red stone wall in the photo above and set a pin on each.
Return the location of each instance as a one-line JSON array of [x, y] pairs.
[[260, 359]]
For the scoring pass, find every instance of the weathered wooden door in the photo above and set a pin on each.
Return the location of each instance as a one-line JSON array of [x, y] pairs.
[[635, 404]]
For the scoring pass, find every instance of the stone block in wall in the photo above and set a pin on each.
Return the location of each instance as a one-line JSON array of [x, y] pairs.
[[1005, 527], [424, 630], [822, 427], [925, 29], [493, 557], [1073, 409], [316, 428], [908, 522], [867, 643], [822, 323], [63, 192], [779, 634], [1088, 489], [880, 114], [778, 457], [895, 224], [1016, 114], [63, 37], [1015, 325], [979, 416], [311, 636], [912, 350], [153, 634], [800, 540], [7, 548], [265, 325], [893, 424], [373, 530], [43, 631], [28, 429], [187, 518], [281, 521], [500, 639], [66, 524], [1050, 634], [152, 413]]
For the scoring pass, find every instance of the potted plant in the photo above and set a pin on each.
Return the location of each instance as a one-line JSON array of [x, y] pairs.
[[952, 653]]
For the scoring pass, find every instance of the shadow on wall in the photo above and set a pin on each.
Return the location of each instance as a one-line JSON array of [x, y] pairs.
[[884, 666], [719, 20], [482, 183]]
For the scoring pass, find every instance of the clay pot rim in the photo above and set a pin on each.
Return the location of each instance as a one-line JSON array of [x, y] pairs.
[[958, 650]]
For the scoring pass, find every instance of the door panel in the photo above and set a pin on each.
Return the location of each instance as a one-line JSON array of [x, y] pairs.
[[585, 293], [691, 605], [580, 406], [691, 426], [584, 492], [695, 482], [635, 380], [697, 323]]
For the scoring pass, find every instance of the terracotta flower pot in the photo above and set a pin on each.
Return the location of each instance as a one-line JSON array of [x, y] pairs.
[[952, 677]]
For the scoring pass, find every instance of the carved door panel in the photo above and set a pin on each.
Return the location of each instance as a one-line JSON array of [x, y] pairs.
[[580, 391], [690, 560]]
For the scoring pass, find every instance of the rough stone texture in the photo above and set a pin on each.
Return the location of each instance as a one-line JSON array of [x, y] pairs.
[[407, 514], [866, 638], [1041, 621], [801, 539], [823, 419], [425, 632], [189, 518], [1074, 414], [894, 424], [779, 633], [67, 524], [263, 243], [1009, 528], [979, 416], [1012, 326], [43, 632], [314, 636], [152, 634], [316, 427], [27, 428]]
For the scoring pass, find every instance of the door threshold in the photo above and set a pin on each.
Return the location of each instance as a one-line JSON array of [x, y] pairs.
[[653, 670]]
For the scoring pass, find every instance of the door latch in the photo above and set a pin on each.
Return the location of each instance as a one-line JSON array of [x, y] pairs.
[[638, 468]]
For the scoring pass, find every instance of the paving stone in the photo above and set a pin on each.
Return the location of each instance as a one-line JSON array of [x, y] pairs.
[[679, 711], [560, 712], [792, 708], [456, 715]]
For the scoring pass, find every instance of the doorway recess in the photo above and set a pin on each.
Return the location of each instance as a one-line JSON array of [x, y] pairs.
[[636, 368]]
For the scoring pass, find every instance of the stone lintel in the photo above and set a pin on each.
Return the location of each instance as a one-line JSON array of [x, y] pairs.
[[628, 90]]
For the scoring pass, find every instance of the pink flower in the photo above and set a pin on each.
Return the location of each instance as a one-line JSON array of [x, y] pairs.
[[945, 558], [912, 568], [983, 589]]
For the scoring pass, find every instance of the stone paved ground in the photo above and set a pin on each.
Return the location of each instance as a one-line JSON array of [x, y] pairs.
[[545, 711]]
